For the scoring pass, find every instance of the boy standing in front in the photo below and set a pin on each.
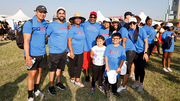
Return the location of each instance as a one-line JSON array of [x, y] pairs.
[[114, 58]]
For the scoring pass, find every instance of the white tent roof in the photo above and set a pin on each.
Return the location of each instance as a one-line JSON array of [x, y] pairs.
[[100, 17], [143, 18], [19, 16]]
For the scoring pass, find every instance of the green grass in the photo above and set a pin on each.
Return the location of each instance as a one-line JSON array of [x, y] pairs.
[[158, 85]]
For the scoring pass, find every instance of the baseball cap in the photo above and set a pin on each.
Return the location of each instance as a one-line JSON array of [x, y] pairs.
[[132, 19], [169, 25], [128, 13], [93, 13], [112, 76], [115, 20], [107, 20], [41, 8], [59, 8]]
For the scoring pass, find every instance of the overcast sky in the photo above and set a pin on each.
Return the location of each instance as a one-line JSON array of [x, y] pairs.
[[153, 8]]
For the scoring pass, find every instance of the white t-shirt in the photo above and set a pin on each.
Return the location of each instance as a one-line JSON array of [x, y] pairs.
[[98, 56]]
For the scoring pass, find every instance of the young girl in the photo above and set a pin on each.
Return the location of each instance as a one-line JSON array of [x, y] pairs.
[[168, 52], [97, 54], [105, 32]]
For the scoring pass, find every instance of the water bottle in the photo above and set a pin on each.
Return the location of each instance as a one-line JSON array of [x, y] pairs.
[[33, 61]]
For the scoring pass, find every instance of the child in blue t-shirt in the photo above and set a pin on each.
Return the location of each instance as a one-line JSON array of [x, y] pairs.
[[114, 58], [97, 55]]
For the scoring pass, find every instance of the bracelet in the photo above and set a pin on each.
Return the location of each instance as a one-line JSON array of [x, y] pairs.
[[145, 52]]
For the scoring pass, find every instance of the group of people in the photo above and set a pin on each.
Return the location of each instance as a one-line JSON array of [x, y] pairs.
[[108, 45]]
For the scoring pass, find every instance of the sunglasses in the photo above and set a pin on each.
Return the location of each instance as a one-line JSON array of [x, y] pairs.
[[93, 17], [132, 23]]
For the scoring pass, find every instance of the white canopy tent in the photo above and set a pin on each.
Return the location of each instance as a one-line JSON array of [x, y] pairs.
[[100, 17], [19, 16], [143, 18]]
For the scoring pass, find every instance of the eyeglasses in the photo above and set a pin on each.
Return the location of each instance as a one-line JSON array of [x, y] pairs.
[[115, 38], [93, 17], [132, 23]]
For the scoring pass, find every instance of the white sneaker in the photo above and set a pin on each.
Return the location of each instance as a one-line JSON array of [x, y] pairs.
[[79, 84], [30, 99], [121, 88], [72, 81], [169, 69], [165, 70], [39, 94]]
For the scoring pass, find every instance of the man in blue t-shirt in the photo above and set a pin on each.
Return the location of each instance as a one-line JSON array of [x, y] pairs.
[[35, 50], [91, 29], [125, 22], [57, 39]]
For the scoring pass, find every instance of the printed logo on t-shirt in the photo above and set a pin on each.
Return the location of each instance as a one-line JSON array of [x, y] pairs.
[[113, 52], [41, 30], [105, 34], [80, 32], [62, 28], [92, 28]]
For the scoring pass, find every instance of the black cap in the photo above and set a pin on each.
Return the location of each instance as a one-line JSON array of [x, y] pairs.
[[128, 13], [41, 8]]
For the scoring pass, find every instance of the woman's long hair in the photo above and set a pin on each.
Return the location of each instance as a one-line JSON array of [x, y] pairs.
[[136, 34]]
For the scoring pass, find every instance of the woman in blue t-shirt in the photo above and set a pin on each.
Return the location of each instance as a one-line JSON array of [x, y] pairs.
[[76, 40], [168, 52], [151, 33], [105, 31], [139, 38]]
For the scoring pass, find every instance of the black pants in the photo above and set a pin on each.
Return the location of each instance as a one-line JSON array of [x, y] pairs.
[[139, 66], [107, 85], [130, 57], [150, 49], [76, 64], [97, 74], [156, 43]]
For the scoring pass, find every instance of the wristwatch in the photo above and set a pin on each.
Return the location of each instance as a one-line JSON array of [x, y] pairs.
[[145, 52]]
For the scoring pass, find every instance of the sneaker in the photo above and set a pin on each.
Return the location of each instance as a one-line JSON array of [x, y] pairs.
[[87, 79], [107, 93], [165, 70], [39, 94], [52, 90], [135, 84], [103, 80], [169, 69], [30, 99], [101, 88], [79, 84], [140, 88], [121, 88], [116, 94], [60, 86], [92, 90], [72, 80]]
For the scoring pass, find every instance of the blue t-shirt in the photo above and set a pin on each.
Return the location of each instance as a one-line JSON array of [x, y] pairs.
[[165, 35], [151, 32], [78, 39], [57, 33], [124, 34], [16, 26], [114, 55], [124, 24], [37, 42], [91, 31], [139, 45], [106, 35]]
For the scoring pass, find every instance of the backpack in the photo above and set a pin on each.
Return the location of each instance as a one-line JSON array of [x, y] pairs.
[[167, 43], [20, 38]]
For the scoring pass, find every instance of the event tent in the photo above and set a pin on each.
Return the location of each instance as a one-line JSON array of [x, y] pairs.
[[100, 17], [143, 18], [19, 16]]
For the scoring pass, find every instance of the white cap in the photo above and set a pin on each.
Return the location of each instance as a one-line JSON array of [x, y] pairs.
[[115, 20], [169, 25], [112, 76], [124, 68], [107, 20], [61, 8], [132, 19]]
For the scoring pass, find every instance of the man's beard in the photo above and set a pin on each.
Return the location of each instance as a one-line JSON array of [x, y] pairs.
[[60, 19]]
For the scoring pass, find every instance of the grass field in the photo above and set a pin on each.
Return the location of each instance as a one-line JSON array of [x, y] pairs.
[[158, 85]]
